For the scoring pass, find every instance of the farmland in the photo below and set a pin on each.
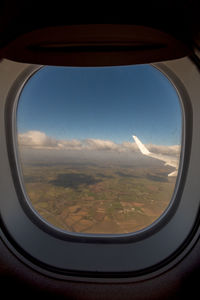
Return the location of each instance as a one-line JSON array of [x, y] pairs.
[[98, 198]]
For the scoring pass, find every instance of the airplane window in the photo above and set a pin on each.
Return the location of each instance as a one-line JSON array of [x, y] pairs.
[[99, 148]]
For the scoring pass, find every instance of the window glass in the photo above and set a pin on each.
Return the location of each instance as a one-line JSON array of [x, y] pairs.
[[99, 147]]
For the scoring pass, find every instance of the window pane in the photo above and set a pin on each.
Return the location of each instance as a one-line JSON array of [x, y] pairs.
[[99, 147]]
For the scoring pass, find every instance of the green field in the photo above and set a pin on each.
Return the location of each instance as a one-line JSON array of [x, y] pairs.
[[92, 198]]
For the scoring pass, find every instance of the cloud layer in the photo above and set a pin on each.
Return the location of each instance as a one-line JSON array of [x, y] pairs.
[[39, 140]]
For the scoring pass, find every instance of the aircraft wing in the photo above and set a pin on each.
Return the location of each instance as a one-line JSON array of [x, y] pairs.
[[166, 159]]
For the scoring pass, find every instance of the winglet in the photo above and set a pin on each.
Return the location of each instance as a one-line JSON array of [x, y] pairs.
[[142, 148]]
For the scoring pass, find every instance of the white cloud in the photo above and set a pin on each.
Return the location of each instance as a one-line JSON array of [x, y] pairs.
[[95, 144], [170, 150], [39, 140], [36, 139], [129, 146], [69, 144]]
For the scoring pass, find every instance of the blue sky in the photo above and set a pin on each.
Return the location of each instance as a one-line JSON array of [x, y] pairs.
[[110, 103]]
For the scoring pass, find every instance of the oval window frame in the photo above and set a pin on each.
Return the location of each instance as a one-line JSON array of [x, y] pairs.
[[97, 238], [106, 273]]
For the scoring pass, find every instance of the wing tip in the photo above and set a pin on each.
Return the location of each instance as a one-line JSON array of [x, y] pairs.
[[142, 147]]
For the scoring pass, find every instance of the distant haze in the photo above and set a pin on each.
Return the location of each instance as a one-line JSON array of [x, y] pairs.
[[36, 146]]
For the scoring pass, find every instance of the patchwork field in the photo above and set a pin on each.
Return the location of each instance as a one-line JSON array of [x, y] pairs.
[[92, 198]]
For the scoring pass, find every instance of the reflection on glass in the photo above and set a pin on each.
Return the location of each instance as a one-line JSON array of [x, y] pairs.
[[99, 147]]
